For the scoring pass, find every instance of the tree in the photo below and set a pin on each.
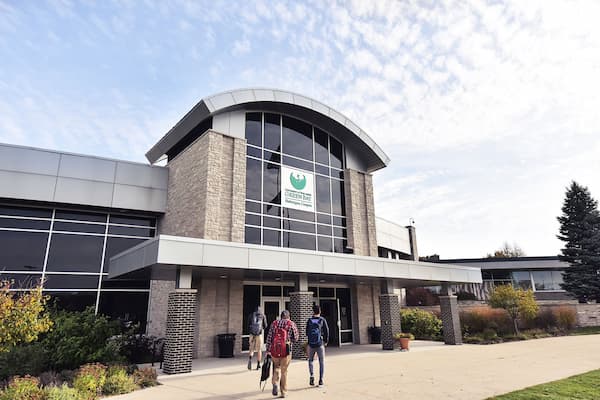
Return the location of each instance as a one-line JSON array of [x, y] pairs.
[[580, 230], [22, 316], [506, 251], [518, 303]]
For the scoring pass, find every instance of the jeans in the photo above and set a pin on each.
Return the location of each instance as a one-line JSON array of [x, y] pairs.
[[311, 355]]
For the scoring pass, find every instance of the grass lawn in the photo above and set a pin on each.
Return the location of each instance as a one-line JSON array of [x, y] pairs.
[[579, 387]]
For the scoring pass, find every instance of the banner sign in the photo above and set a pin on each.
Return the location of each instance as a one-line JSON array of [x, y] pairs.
[[297, 189]]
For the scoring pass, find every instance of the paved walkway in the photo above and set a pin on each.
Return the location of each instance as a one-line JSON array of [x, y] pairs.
[[426, 372]]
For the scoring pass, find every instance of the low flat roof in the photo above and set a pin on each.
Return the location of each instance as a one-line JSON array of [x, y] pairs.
[[165, 250]]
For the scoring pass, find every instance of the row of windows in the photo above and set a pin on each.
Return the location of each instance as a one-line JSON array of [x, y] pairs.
[[296, 240], [537, 280], [269, 209], [56, 281], [276, 158], [293, 225], [294, 137]]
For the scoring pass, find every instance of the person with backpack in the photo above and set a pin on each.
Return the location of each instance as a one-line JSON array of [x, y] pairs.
[[282, 333], [257, 322], [317, 332]]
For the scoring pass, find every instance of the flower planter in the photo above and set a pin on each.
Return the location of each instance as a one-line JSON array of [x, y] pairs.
[[404, 344]]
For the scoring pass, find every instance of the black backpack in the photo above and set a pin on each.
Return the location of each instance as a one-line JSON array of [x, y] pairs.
[[315, 337], [256, 324]]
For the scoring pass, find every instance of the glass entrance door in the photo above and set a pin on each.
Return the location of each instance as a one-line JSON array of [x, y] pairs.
[[272, 308], [330, 311]]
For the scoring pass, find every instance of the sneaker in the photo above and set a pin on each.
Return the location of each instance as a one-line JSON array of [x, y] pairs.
[[311, 382], [320, 382], [275, 392], [257, 365], [250, 363], [283, 395]]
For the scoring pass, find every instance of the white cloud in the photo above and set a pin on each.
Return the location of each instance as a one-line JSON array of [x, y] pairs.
[[241, 47]]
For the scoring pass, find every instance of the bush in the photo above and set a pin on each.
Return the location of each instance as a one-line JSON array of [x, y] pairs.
[[544, 320], [118, 382], [26, 388], [138, 348], [489, 334], [145, 377], [27, 359], [90, 379], [422, 324], [63, 392], [50, 378], [566, 318], [79, 338], [67, 376], [478, 320]]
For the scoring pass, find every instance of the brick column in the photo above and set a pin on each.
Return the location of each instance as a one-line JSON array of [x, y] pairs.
[[389, 309], [450, 320], [300, 312], [179, 342]]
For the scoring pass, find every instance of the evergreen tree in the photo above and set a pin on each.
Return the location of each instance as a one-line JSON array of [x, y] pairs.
[[580, 230]]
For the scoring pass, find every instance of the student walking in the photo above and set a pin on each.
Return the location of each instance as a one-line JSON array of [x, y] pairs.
[[317, 332], [282, 333], [257, 322]]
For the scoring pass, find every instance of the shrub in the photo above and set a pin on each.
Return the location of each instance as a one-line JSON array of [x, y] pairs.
[[489, 334], [64, 392], [544, 320], [420, 296], [138, 348], [90, 379], [79, 338], [26, 388], [422, 324], [67, 375], [519, 304], [145, 377], [478, 320], [118, 382], [27, 359], [566, 318]]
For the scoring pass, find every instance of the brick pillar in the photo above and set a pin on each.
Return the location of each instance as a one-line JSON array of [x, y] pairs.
[[300, 312], [450, 320], [389, 309], [179, 342]]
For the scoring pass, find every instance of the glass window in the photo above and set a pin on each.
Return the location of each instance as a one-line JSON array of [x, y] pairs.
[[252, 219], [557, 278], [337, 153], [299, 214], [126, 307], [253, 151], [323, 195], [314, 290], [138, 221], [324, 229], [80, 216], [324, 243], [271, 183], [298, 226], [337, 197], [343, 294], [251, 301], [321, 147], [22, 251], [297, 138], [542, 280], [254, 129], [326, 292], [294, 162], [336, 173], [64, 281], [501, 275], [253, 179], [26, 212], [274, 291], [272, 132], [78, 227], [118, 283], [324, 218], [252, 235], [299, 241], [339, 245], [75, 253], [271, 222], [271, 237], [252, 207], [116, 245], [339, 232], [272, 157], [319, 169], [339, 221], [24, 223], [21, 281], [73, 301], [286, 292], [129, 231], [521, 279], [270, 209]]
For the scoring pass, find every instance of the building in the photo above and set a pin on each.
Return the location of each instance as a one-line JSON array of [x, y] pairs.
[[266, 199], [543, 275]]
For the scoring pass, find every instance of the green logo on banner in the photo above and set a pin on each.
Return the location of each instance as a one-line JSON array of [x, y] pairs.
[[297, 182]]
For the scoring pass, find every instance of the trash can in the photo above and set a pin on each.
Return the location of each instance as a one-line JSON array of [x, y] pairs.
[[226, 343]]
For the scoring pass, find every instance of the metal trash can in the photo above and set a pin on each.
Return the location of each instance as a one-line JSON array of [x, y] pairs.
[[226, 343]]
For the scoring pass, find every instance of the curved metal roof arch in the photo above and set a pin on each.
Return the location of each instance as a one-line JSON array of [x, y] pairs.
[[278, 101]]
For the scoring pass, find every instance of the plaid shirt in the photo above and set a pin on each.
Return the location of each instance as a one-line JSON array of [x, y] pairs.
[[292, 331]]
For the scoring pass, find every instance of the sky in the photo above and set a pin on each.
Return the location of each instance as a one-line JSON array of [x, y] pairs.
[[487, 109]]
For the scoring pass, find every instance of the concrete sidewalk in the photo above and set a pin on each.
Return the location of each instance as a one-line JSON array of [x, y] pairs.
[[442, 372]]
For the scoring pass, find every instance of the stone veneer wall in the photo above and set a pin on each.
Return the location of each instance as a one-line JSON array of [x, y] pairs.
[[360, 213], [219, 309], [365, 305], [157, 307]]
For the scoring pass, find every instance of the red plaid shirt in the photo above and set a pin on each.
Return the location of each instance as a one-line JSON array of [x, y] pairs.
[[288, 325]]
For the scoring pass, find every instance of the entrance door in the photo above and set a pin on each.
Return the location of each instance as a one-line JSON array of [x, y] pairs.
[[329, 311], [272, 308]]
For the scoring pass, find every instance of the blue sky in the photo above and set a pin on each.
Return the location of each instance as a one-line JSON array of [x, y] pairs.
[[487, 109]]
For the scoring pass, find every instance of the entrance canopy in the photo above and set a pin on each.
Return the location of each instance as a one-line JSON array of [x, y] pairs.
[[166, 251]]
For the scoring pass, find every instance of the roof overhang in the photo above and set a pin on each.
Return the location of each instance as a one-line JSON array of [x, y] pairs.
[[276, 101], [170, 251]]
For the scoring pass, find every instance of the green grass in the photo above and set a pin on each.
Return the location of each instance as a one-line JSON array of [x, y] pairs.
[[579, 387]]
